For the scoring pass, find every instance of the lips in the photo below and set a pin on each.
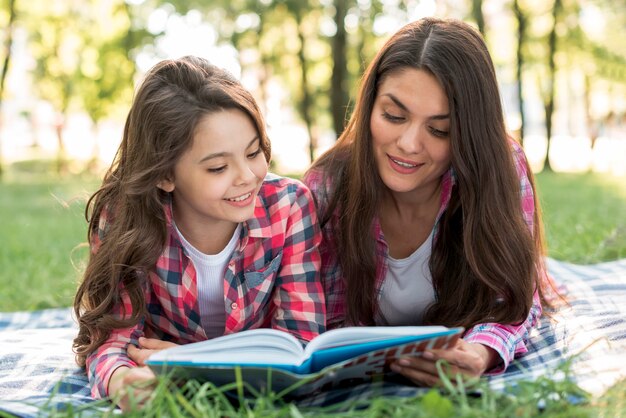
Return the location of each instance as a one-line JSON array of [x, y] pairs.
[[403, 166], [241, 201], [403, 163], [239, 198]]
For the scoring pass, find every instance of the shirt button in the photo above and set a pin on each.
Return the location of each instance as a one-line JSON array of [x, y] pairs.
[[233, 306]]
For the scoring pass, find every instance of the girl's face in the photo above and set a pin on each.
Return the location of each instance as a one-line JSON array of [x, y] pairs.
[[217, 179], [410, 126]]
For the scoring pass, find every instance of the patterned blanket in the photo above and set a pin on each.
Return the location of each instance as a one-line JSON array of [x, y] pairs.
[[37, 364]]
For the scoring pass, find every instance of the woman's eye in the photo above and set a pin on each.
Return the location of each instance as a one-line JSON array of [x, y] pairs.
[[392, 118], [254, 154], [439, 133], [217, 169]]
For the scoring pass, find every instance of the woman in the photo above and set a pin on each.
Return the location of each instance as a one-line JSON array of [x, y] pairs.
[[426, 171]]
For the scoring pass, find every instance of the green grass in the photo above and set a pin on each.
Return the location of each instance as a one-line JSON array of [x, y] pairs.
[[557, 399], [42, 227], [584, 216]]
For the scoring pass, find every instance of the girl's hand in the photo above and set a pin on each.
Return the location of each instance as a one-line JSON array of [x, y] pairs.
[[469, 360], [131, 386], [147, 346]]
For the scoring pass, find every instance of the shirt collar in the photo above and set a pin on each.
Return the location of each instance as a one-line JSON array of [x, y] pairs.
[[259, 226]]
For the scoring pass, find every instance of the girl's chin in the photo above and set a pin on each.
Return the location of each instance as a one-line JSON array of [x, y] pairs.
[[235, 214]]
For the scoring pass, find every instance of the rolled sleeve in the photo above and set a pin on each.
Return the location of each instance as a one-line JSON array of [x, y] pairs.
[[509, 341], [109, 357], [112, 354]]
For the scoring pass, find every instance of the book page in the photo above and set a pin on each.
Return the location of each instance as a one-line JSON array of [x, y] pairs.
[[358, 335], [257, 346]]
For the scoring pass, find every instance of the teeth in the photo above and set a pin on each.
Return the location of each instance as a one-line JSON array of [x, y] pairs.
[[403, 164], [240, 198]]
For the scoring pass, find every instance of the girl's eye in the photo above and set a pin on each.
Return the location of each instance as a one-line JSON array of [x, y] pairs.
[[392, 118], [254, 154], [439, 133], [217, 169]]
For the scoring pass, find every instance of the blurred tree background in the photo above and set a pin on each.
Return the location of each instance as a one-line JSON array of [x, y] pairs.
[[68, 69]]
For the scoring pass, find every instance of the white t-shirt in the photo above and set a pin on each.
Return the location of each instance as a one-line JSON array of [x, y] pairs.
[[407, 289], [210, 281]]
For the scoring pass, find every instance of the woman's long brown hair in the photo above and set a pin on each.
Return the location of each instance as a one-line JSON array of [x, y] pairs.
[[485, 262], [173, 97]]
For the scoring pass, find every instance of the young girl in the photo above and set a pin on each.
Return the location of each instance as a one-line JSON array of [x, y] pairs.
[[428, 208], [191, 238]]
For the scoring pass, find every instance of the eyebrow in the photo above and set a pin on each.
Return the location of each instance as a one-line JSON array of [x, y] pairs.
[[403, 107], [224, 154]]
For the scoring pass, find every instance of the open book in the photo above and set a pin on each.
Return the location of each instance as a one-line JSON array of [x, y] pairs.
[[269, 359]]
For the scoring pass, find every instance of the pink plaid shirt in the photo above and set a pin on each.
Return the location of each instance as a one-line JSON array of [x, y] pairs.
[[508, 341], [272, 280]]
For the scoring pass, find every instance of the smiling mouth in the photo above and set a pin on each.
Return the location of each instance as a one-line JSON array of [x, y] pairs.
[[403, 164], [239, 198]]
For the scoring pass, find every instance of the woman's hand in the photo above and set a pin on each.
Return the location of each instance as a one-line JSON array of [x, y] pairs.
[[131, 386], [469, 360], [147, 346]]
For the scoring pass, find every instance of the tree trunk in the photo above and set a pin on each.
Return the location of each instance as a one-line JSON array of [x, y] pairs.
[[521, 39], [266, 69], [94, 161], [477, 14], [550, 94], [307, 100], [59, 126], [8, 45], [338, 93], [591, 125]]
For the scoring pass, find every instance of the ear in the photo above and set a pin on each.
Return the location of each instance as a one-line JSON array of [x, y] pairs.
[[166, 185]]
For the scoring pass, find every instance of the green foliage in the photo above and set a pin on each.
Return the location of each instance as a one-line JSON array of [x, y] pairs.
[[545, 397], [55, 45], [83, 53], [106, 68]]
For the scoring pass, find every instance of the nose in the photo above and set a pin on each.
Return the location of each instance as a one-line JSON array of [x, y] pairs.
[[410, 140], [245, 175]]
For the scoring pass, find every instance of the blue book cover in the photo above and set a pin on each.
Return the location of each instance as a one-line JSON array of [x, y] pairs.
[[271, 359]]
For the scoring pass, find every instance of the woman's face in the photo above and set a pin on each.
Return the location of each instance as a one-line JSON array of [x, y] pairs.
[[410, 126]]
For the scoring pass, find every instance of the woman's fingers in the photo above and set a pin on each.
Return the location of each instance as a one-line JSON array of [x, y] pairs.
[[460, 360], [424, 371], [464, 361], [473, 359], [418, 376]]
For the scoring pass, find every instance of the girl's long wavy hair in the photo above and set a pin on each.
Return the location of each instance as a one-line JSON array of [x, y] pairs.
[[173, 97], [485, 261]]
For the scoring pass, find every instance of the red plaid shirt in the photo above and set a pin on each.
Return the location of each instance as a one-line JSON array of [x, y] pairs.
[[272, 280], [508, 340]]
